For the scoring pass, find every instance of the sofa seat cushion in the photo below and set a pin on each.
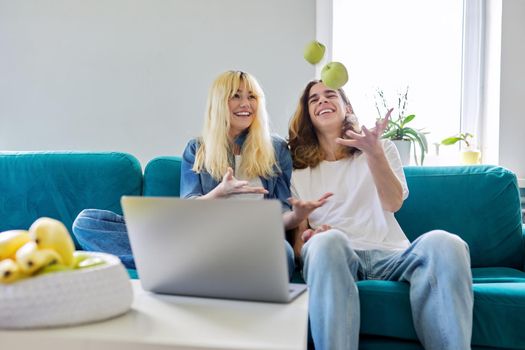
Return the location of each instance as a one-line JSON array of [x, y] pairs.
[[385, 309], [499, 315], [497, 275], [499, 312]]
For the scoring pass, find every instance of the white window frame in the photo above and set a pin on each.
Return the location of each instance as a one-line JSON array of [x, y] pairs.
[[472, 60], [472, 68]]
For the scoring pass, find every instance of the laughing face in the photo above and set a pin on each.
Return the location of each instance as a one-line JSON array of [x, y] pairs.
[[242, 105], [326, 108]]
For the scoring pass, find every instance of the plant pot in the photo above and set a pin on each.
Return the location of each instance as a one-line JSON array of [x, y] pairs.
[[470, 157], [403, 147]]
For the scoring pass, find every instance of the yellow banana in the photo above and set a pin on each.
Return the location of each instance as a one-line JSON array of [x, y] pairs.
[[52, 234], [31, 259], [10, 271], [10, 241]]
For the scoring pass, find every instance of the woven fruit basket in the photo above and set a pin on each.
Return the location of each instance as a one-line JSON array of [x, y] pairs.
[[67, 298]]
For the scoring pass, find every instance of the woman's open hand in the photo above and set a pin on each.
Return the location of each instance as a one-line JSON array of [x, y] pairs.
[[368, 140], [230, 185], [302, 208]]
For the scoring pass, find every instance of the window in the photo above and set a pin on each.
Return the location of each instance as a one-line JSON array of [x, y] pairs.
[[390, 45]]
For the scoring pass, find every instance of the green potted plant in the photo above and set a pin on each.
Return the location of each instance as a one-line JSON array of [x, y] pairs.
[[469, 155], [397, 130]]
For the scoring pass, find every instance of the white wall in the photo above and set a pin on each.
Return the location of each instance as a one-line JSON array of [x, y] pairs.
[[132, 75], [504, 90], [512, 89], [490, 104]]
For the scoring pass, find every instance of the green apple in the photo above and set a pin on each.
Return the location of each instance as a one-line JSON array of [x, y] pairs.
[[90, 262], [79, 256], [314, 52], [84, 259], [54, 268], [334, 75]]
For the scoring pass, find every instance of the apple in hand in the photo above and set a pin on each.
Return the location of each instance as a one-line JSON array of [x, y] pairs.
[[314, 52]]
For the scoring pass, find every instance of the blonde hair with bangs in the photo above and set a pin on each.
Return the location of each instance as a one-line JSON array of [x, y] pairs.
[[215, 149]]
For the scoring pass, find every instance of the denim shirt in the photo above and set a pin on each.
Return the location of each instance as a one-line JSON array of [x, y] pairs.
[[278, 186]]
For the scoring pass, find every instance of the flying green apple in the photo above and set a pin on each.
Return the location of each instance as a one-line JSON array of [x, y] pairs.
[[334, 75], [314, 52]]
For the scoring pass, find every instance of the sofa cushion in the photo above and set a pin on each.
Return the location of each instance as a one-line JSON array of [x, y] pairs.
[[385, 309], [61, 184], [497, 275], [481, 204], [499, 312], [381, 343], [162, 177], [499, 315]]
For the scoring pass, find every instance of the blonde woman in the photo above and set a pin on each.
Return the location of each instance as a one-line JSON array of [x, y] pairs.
[[237, 157]]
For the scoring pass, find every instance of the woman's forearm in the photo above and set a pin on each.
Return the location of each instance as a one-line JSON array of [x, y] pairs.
[[388, 185], [298, 239]]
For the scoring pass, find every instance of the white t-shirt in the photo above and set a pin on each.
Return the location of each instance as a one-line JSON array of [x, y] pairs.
[[355, 207]]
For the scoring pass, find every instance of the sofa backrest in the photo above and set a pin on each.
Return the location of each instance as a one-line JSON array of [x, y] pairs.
[[61, 184], [479, 203], [162, 177]]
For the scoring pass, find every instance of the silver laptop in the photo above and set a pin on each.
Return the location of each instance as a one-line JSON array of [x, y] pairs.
[[232, 249]]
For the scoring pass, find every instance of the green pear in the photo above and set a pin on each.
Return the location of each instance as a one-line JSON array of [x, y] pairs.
[[314, 52], [334, 75]]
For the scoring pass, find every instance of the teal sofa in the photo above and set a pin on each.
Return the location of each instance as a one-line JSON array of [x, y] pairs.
[[479, 203], [61, 184]]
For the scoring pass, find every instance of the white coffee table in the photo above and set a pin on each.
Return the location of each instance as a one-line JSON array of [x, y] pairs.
[[173, 322]]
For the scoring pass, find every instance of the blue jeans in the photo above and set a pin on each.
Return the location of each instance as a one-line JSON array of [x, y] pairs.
[[441, 294], [104, 231]]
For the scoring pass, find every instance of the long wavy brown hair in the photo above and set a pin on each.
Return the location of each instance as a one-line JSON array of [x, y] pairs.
[[302, 137]]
